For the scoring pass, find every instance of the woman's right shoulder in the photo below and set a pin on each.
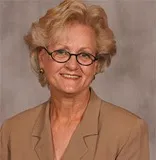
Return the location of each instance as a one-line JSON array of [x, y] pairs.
[[24, 118]]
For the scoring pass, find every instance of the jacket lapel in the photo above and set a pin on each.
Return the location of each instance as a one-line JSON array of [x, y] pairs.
[[83, 142], [41, 135]]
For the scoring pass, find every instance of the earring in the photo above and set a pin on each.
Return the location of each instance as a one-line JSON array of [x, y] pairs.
[[41, 71], [42, 78]]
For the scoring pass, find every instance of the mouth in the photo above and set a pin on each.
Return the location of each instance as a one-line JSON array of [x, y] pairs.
[[70, 76]]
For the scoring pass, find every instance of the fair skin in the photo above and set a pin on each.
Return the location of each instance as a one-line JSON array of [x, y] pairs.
[[68, 83]]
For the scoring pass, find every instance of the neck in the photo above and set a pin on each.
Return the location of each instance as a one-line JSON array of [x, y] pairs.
[[65, 107]]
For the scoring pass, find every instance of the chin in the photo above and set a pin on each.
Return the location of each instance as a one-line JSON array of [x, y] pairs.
[[74, 90], [71, 90], [68, 88]]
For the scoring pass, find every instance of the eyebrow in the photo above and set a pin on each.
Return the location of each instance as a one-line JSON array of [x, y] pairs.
[[67, 48]]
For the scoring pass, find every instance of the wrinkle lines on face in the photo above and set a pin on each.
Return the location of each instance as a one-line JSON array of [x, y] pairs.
[[71, 77]]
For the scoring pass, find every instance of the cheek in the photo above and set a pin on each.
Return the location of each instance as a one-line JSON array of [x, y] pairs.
[[90, 72], [52, 68], [48, 67]]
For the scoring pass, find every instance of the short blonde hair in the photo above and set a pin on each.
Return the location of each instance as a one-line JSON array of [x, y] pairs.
[[44, 31]]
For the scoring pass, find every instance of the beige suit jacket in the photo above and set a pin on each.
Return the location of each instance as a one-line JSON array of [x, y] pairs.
[[106, 132]]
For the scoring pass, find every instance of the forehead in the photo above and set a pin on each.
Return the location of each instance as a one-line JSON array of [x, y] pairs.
[[75, 35]]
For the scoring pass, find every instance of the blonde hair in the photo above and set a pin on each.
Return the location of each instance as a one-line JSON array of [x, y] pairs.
[[44, 31]]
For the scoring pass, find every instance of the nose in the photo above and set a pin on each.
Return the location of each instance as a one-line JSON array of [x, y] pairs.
[[72, 63]]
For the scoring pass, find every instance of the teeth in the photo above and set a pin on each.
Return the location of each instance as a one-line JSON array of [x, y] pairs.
[[70, 76]]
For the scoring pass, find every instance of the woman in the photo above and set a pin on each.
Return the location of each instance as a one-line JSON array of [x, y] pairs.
[[69, 46]]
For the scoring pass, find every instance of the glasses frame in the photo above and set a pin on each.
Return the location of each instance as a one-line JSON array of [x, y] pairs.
[[70, 54]]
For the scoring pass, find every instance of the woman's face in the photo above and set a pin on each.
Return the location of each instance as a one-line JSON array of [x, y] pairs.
[[70, 77]]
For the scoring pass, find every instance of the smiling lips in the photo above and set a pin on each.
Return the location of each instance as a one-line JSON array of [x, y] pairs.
[[70, 76]]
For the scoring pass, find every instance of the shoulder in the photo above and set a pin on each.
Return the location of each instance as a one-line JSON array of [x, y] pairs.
[[123, 131], [116, 114], [115, 117], [24, 119], [119, 121]]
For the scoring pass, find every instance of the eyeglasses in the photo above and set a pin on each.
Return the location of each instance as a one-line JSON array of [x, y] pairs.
[[62, 56]]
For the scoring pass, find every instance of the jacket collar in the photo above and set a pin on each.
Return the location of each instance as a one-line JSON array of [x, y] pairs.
[[41, 134], [83, 140]]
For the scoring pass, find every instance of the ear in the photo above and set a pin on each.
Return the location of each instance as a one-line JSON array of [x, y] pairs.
[[41, 58], [96, 67]]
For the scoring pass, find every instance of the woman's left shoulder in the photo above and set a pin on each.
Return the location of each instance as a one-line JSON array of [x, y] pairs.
[[119, 116], [122, 132]]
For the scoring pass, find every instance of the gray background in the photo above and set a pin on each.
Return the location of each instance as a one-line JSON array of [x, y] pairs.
[[129, 82]]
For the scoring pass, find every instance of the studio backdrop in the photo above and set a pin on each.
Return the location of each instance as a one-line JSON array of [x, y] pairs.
[[129, 82]]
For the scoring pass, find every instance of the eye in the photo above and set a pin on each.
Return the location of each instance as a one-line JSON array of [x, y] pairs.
[[60, 53], [86, 55]]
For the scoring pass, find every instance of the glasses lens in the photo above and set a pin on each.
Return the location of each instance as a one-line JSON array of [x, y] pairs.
[[60, 55], [85, 58]]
